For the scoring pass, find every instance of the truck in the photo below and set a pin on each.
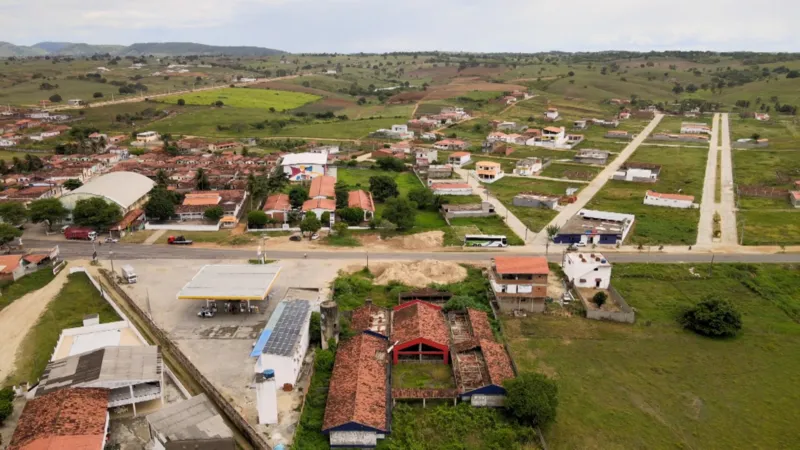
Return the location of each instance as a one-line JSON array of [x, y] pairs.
[[82, 233], [129, 274], [178, 240]]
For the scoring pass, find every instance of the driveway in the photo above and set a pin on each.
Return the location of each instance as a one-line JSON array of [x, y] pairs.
[[599, 181], [705, 229], [727, 209]]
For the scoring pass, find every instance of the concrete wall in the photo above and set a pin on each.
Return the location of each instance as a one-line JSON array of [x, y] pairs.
[[624, 315], [179, 226], [742, 145]]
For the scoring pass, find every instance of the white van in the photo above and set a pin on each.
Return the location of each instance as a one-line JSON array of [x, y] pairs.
[[129, 274]]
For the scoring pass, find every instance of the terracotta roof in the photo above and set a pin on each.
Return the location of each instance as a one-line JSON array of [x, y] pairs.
[[322, 186], [795, 194], [553, 129], [35, 259], [128, 219], [479, 320], [417, 319], [488, 163], [67, 419], [357, 392], [688, 198], [277, 202], [534, 265], [9, 263], [361, 199], [459, 154], [498, 363], [202, 199], [321, 203], [437, 186], [364, 318]]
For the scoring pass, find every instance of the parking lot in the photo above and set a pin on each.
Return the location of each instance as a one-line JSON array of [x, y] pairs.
[[219, 346]]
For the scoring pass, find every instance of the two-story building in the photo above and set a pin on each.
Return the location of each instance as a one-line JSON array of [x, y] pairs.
[[519, 282], [587, 270], [488, 171]]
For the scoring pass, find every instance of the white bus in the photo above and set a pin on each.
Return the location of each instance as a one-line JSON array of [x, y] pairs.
[[485, 240]]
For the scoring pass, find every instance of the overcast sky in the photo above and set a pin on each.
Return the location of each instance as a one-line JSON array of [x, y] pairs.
[[380, 25]]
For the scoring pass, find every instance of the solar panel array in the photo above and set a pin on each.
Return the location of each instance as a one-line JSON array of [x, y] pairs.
[[286, 333]]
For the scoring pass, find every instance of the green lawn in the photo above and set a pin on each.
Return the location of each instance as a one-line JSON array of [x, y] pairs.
[[769, 227], [348, 129], [33, 282], [778, 169], [77, 298], [221, 237], [245, 98], [487, 225], [534, 218], [782, 131], [571, 171], [461, 199], [653, 385], [422, 376], [682, 168]]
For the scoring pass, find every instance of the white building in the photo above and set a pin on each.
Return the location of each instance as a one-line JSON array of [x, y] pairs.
[[147, 137], [507, 125], [528, 167], [451, 189], [402, 132], [489, 171], [551, 114], [129, 190], [587, 270], [638, 172], [695, 128], [458, 158], [761, 116], [287, 341], [192, 423], [305, 166], [653, 198], [425, 157]]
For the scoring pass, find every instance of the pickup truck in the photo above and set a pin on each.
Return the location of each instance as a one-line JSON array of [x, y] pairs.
[[178, 240]]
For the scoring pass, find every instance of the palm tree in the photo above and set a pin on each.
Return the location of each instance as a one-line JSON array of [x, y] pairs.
[[552, 231], [201, 180]]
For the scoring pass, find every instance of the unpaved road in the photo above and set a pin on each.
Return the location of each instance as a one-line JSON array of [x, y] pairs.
[[20, 316]]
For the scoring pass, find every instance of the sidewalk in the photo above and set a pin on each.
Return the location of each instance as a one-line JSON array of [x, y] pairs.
[[154, 237], [705, 228]]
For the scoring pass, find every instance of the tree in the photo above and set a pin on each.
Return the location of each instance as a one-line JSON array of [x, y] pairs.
[[162, 178], [390, 163], [691, 88], [13, 213], [214, 213], [341, 229], [532, 398], [712, 317], [793, 74], [325, 218], [310, 224], [400, 211], [552, 231], [383, 187], [160, 206], [342, 192], [8, 233], [297, 196], [181, 102], [49, 211], [6, 404], [423, 197], [201, 180], [351, 216], [600, 299], [72, 184], [55, 98], [97, 95], [96, 213], [571, 73], [277, 180], [257, 219]]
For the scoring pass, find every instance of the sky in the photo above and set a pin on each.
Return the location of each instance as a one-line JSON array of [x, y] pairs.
[[351, 26]]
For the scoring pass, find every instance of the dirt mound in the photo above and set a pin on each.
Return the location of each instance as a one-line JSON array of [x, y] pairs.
[[422, 273], [421, 241]]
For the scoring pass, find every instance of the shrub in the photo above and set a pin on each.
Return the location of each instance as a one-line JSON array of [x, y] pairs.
[[326, 218], [532, 398], [257, 219], [181, 102], [712, 317], [315, 328], [214, 213], [351, 216], [600, 298]]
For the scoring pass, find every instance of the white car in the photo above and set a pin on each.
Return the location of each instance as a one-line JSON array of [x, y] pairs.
[[315, 236]]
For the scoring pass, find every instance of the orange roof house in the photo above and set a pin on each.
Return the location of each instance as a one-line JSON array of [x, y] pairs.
[[322, 187], [420, 331], [521, 265], [361, 199]]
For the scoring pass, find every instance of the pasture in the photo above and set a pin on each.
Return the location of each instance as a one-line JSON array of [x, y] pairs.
[[245, 98]]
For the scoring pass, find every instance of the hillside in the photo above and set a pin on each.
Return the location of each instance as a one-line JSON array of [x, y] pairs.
[[190, 48], [8, 50], [76, 49]]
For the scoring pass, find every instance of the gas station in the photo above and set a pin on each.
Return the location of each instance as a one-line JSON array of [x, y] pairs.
[[239, 286]]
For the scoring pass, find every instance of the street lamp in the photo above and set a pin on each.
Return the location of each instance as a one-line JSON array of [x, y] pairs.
[[111, 255]]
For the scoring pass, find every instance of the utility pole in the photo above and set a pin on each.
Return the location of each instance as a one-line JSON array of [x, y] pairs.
[[741, 235]]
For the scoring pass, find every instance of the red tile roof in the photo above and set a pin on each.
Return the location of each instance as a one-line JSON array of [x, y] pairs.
[[357, 392], [498, 363], [534, 265], [9, 263], [479, 320], [795, 194], [417, 319], [322, 186], [278, 202], [361, 199], [321, 203], [459, 154], [365, 318], [35, 259], [689, 198], [128, 219], [67, 419]]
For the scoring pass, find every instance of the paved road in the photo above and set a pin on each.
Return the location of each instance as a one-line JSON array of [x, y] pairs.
[[83, 250], [727, 209], [705, 228], [599, 181]]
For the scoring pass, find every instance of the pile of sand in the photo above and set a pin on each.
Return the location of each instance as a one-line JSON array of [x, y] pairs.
[[422, 241], [422, 273]]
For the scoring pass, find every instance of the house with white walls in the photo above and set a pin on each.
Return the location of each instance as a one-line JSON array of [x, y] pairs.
[[587, 270]]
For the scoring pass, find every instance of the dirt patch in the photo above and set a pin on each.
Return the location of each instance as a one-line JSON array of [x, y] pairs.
[[278, 85], [420, 273], [461, 86], [447, 72], [609, 305], [407, 97], [421, 241]]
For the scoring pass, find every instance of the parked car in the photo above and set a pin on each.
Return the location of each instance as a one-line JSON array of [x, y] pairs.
[[296, 237], [110, 240], [178, 240], [315, 236]]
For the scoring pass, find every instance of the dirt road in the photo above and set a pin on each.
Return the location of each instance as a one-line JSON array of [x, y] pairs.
[[20, 316]]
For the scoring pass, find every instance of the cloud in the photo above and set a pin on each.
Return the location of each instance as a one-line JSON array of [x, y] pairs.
[[378, 25]]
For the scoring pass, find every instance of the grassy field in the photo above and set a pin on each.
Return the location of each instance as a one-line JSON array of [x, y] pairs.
[[77, 298], [682, 168], [422, 376], [571, 171], [778, 169], [487, 225], [671, 124], [653, 385], [534, 218], [245, 98], [137, 237], [782, 132], [33, 282], [769, 227], [221, 237]]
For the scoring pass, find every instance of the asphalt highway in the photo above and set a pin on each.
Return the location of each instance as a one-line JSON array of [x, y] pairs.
[[72, 250]]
